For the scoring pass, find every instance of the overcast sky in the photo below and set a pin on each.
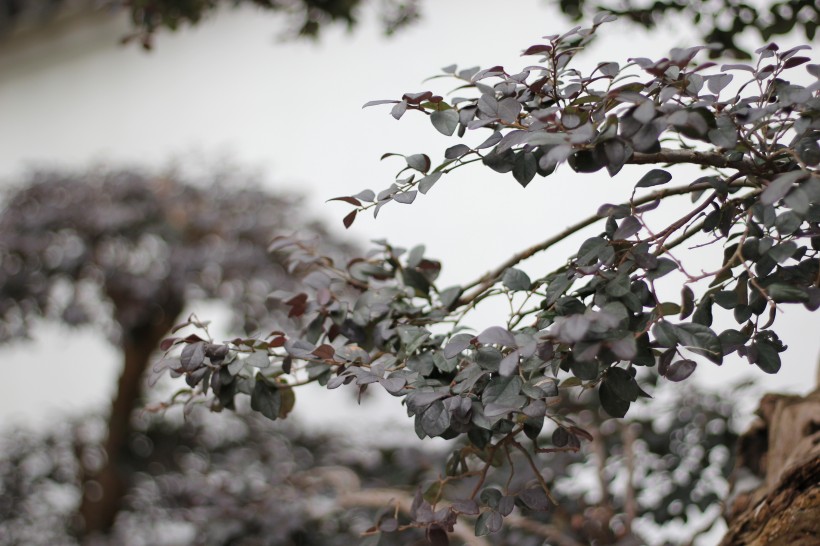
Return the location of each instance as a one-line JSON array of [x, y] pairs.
[[229, 91]]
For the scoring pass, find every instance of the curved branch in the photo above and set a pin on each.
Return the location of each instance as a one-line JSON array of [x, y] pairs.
[[491, 277], [692, 157]]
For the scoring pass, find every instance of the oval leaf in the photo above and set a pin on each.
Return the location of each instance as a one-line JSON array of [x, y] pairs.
[[655, 177]]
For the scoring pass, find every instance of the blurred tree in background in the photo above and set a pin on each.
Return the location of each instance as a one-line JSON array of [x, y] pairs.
[[125, 252]]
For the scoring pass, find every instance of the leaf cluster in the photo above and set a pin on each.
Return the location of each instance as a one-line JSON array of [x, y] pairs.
[[602, 322]]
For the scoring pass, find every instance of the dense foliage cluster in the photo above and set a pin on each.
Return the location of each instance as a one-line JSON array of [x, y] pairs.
[[602, 322]]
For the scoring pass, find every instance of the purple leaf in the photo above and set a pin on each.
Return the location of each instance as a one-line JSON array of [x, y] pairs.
[[496, 335]]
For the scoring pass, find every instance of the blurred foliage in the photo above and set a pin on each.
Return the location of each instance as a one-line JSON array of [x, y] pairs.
[[720, 22], [307, 17], [238, 480], [125, 252], [87, 247]]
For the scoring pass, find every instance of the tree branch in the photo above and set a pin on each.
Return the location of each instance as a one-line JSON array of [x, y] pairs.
[[692, 157], [491, 277]]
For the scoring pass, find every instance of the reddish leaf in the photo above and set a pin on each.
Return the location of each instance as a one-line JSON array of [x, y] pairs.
[[348, 220], [351, 200], [537, 49], [416, 98], [795, 61], [325, 352], [168, 343]]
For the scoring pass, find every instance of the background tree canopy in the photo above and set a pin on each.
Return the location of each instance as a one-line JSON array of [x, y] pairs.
[[720, 22]]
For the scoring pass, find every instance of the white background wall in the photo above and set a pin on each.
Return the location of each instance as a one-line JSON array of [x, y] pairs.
[[228, 91]]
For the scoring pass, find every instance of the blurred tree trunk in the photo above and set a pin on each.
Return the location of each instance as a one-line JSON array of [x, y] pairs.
[[104, 489], [776, 499]]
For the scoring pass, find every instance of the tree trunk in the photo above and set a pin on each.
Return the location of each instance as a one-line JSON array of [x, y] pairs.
[[777, 476], [104, 489]]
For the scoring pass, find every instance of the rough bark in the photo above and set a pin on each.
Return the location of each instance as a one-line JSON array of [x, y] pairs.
[[777, 476], [104, 489]]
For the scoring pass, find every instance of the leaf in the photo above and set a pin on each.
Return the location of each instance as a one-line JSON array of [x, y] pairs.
[[506, 505], [406, 197], [488, 522], [192, 356], [496, 335], [680, 370], [629, 227], [378, 102], [398, 110], [504, 392], [508, 109], [454, 152], [779, 187], [665, 334], [324, 352], [388, 525], [784, 293], [266, 399], [687, 302], [665, 359], [393, 385], [622, 384], [588, 253], [445, 121], [347, 199], [537, 49], [492, 140], [412, 337], [457, 343], [525, 167], [655, 177], [490, 496], [611, 402], [449, 296], [645, 112], [700, 339], [417, 98], [767, 358], [515, 279], [350, 218], [536, 499], [665, 265], [717, 82], [508, 364], [436, 419], [419, 162]]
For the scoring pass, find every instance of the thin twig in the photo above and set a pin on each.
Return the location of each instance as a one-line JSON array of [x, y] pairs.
[[535, 471], [630, 504]]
